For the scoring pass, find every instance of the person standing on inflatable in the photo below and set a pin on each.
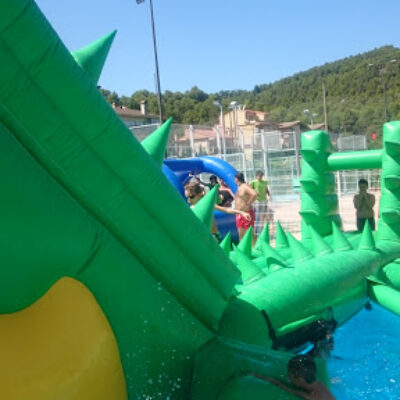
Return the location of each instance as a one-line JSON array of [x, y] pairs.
[[244, 199], [364, 204], [260, 185]]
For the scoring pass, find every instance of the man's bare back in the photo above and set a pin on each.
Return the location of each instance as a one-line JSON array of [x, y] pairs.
[[302, 373], [318, 391], [314, 391]]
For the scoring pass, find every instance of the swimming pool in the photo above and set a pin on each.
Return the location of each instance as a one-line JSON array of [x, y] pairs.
[[366, 357]]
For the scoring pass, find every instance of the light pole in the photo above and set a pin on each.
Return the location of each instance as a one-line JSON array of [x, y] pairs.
[[218, 104], [233, 105], [311, 116], [382, 71], [160, 113]]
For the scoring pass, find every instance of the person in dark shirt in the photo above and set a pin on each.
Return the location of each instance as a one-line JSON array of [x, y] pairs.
[[226, 195], [364, 204]]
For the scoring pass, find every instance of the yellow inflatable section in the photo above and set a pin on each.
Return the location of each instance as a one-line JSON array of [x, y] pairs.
[[61, 347]]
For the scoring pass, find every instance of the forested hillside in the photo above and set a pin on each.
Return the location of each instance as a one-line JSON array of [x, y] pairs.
[[354, 86]]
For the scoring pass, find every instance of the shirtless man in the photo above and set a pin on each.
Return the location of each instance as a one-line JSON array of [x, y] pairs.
[[302, 372], [244, 199]]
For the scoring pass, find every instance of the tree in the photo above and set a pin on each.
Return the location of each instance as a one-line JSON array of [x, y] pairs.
[[354, 95]]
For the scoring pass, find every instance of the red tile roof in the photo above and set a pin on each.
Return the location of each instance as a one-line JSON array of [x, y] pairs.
[[290, 124], [198, 134], [123, 111]]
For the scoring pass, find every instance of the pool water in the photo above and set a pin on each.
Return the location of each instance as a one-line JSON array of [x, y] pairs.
[[366, 357]]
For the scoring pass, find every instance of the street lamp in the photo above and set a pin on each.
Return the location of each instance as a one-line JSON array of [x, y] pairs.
[[311, 116], [155, 59], [382, 70], [233, 105], [218, 104]]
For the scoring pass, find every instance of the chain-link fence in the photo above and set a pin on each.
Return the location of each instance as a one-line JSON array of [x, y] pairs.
[[351, 143], [277, 155]]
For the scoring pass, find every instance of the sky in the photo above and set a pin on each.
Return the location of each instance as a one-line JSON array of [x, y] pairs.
[[220, 44]]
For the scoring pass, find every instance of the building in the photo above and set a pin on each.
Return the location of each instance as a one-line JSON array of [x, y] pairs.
[[241, 121], [135, 117], [199, 141], [203, 142], [314, 127]]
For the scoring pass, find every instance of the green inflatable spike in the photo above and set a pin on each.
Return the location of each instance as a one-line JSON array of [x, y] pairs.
[[309, 216], [280, 236], [309, 185], [392, 182], [299, 252], [309, 154], [263, 237], [272, 256], [320, 247], [392, 147], [246, 242], [204, 209], [249, 270], [390, 216], [156, 144], [367, 241], [340, 242], [93, 56], [226, 243]]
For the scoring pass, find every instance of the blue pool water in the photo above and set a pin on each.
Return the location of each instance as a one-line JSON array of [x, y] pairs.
[[369, 364]]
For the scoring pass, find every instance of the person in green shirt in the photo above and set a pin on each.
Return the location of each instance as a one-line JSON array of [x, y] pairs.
[[260, 185]]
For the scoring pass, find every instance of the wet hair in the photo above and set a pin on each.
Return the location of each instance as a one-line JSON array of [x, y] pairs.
[[213, 177], [303, 366], [363, 182], [239, 176], [194, 188], [259, 172]]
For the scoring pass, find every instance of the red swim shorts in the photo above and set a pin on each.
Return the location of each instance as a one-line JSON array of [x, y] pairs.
[[241, 221]]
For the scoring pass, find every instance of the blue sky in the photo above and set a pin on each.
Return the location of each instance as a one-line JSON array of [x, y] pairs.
[[222, 45]]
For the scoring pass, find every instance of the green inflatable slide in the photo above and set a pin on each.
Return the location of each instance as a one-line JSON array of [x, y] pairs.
[[110, 292]]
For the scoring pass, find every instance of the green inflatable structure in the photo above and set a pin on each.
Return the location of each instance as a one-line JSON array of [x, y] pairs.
[[109, 291]]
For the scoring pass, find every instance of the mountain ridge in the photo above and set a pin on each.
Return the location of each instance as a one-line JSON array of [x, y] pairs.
[[357, 89]]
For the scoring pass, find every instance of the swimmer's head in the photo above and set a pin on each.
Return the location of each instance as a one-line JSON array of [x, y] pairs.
[[302, 370]]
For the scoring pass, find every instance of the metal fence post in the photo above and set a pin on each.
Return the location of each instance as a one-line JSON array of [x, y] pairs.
[[218, 141], [339, 192], [241, 141], [264, 152], [191, 140], [296, 152], [244, 165]]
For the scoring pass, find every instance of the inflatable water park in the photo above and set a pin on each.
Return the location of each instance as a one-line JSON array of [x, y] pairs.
[[109, 292]]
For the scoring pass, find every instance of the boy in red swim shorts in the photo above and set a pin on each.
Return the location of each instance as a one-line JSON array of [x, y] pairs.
[[243, 223], [244, 198]]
